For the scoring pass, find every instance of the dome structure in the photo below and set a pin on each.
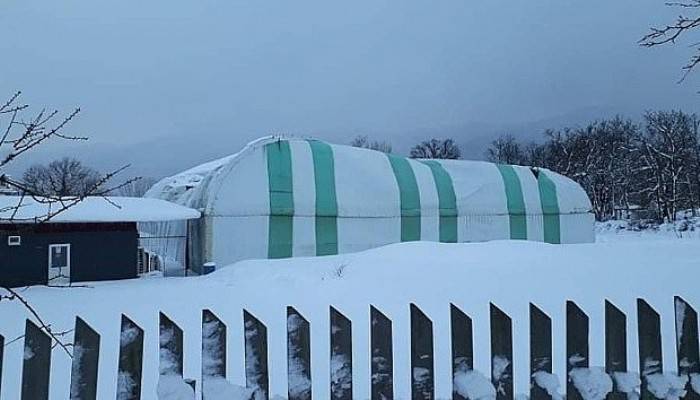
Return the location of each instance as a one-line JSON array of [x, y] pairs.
[[288, 197]]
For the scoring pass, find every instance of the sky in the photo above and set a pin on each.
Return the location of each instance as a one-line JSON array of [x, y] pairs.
[[165, 85]]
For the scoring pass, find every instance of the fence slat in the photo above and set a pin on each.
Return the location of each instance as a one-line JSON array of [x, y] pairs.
[[501, 353], [422, 368], [2, 355], [37, 363], [171, 352], [256, 369], [577, 355], [86, 353], [615, 346], [382, 356], [540, 350], [687, 344], [298, 356], [650, 357], [341, 356], [130, 360], [462, 345]]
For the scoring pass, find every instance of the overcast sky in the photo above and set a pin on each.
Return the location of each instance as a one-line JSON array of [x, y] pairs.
[[168, 84]]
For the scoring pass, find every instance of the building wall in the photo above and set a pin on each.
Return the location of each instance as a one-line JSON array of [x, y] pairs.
[[98, 252]]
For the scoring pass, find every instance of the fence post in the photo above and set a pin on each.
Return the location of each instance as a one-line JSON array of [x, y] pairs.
[[687, 343], [576, 346], [540, 350], [171, 358], [501, 353], [422, 368], [298, 356], [256, 372], [382, 356], [341, 356], [37, 363], [2, 350], [213, 348], [649, 331], [615, 346], [86, 353], [130, 360], [462, 345]]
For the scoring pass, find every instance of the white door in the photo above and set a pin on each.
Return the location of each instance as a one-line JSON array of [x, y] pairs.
[[59, 264]]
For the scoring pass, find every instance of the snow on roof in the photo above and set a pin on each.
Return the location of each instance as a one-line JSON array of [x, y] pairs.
[[17, 209]]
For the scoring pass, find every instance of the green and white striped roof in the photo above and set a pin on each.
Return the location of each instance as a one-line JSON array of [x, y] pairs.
[[287, 178]]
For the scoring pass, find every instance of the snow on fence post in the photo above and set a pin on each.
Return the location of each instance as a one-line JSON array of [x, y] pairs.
[[501, 353], [540, 352], [37, 363], [298, 356], [687, 346], [462, 346], [213, 350], [170, 345], [86, 353], [341, 356], [130, 360], [615, 347], [382, 356], [650, 361], [256, 372], [576, 346], [422, 368]]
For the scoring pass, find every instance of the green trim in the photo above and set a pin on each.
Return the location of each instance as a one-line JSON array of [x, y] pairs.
[[281, 224], [326, 201], [447, 201], [516, 202], [550, 208], [408, 196]]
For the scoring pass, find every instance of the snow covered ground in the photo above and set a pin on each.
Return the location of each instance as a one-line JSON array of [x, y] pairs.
[[620, 267]]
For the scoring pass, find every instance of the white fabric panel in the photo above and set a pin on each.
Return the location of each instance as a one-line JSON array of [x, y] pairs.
[[572, 197], [242, 188], [304, 234], [365, 184], [356, 234], [239, 238], [480, 228], [533, 205], [304, 187], [429, 202], [577, 228]]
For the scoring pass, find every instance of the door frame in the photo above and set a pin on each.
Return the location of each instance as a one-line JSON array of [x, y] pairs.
[[67, 246]]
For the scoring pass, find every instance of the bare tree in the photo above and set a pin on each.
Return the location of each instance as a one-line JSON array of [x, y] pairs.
[[680, 28], [506, 150], [20, 134], [64, 177], [437, 148], [363, 141]]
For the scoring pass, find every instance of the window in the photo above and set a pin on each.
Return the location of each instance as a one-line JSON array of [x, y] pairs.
[[14, 240]]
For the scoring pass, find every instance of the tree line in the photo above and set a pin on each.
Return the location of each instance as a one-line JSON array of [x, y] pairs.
[[653, 165]]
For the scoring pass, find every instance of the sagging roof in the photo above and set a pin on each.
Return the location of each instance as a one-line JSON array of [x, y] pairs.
[[18, 209]]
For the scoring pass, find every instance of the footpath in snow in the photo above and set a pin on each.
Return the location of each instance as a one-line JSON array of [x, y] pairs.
[[509, 274]]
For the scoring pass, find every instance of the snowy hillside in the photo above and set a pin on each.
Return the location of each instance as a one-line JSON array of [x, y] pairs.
[[509, 274]]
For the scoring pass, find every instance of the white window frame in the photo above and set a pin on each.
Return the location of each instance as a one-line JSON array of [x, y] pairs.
[[67, 246], [14, 240]]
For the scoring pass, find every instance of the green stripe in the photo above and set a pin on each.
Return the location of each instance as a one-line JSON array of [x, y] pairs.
[[326, 202], [550, 208], [281, 225], [516, 202], [447, 201], [408, 196]]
